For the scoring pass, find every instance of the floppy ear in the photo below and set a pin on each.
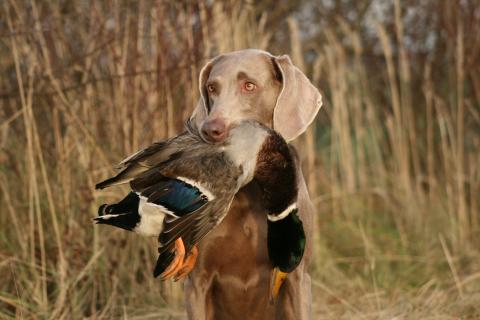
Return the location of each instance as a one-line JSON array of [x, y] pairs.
[[198, 115], [202, 109], [298, 101]]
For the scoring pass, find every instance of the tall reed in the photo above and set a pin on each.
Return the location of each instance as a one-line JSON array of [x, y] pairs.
[[392, 161]]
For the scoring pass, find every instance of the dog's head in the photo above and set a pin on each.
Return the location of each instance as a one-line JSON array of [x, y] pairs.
[[253, 84]]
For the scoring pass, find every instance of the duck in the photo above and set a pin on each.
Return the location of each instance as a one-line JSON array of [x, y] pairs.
[[181, 188], [276, 175]]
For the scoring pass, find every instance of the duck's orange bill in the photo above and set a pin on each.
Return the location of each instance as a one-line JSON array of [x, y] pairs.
[[278, 278]]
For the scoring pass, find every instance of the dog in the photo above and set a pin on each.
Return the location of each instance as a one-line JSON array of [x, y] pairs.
[[231, 279]]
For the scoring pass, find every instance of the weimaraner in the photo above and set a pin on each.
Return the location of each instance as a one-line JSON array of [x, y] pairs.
[[231, 279]]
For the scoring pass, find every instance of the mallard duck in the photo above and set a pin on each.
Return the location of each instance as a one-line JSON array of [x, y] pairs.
[[276, 175], [181, 189]]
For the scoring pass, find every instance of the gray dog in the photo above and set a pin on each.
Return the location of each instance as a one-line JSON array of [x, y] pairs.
[[231, 278]]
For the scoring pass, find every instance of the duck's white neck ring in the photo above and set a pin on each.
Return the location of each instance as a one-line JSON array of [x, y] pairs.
[[283, 214]]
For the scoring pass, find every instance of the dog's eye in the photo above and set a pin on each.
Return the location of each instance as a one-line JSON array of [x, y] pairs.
[[249, 86], [210, 88]]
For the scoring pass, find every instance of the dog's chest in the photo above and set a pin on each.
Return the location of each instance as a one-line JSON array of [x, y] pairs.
[[239, 244]]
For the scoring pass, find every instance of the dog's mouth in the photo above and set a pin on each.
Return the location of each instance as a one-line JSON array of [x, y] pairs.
[[192, 128], [206, 140], [225, 136]]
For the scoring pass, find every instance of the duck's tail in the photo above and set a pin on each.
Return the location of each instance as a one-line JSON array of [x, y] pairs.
[[122, 215]]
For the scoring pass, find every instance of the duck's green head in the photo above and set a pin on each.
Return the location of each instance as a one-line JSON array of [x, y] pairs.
[[286, 245], [286, 240]]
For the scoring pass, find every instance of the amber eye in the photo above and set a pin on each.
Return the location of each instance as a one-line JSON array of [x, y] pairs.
[[249, 86], [210, 88]]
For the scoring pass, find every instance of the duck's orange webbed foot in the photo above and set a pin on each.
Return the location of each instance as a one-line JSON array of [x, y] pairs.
[[188, 264], [177, 262]]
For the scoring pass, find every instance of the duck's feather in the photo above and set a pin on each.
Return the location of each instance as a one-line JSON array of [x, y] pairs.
[[191, 227], [122, 177], [163, 261], [159, 152], [173, 194], [123, 214], [155, 155], [157, 148], [181, 227]]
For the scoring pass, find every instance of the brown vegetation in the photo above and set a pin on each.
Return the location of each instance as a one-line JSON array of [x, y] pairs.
[[393, 160]]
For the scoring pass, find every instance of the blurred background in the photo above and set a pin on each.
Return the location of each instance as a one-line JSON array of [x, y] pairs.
[[392, 161]]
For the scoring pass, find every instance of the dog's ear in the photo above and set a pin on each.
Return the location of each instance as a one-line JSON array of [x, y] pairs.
[[202, 109], [298, 101], [198, 115]]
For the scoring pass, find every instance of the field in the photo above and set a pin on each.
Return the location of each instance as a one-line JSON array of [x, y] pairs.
[[392, 160]]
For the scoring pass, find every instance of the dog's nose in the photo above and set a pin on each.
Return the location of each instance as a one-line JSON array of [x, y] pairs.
[[215, 130]]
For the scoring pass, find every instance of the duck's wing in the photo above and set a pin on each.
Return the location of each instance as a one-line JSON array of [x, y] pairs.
[[140, 154], [177, 196], [160, 151], [157, 151], [194, 226], [152, 156], [191, 228]]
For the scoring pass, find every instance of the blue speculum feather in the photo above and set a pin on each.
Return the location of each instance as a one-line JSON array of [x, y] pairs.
[[181, 197], [175, 195]]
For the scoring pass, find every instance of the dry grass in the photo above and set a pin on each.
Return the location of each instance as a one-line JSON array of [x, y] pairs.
[[392, 161]]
